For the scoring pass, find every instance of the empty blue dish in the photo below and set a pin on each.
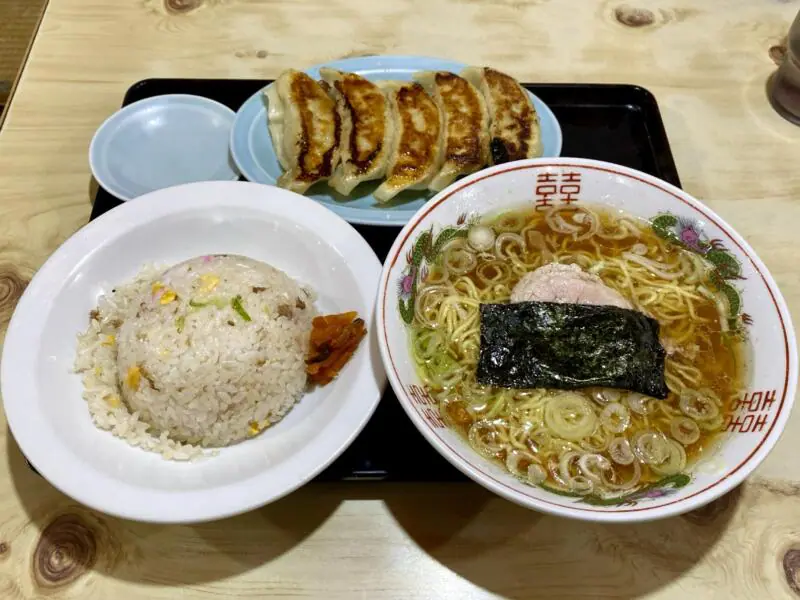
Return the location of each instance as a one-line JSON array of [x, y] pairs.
[[160, 142]]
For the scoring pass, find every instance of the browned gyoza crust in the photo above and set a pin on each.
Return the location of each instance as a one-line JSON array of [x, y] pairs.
[[511, 130], [464, 122], [316, 157], [465, 125], [417, 148], [367, 107]]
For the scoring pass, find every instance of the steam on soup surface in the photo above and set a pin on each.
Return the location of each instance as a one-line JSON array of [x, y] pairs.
[[586, 440]]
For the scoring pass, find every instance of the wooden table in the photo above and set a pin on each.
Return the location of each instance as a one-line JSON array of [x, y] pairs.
[[707, 63], [18, 19]]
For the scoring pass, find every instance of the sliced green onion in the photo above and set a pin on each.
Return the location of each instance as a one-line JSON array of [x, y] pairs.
[[426, 344], [638, 403], [684, 430], [236, 305], [651, 447], [614, 482], [218, 302], [481, 238], [675, 461], [518, 461], [593, 465], [620, 451], [441, 364], [484, 439], [570, 416], [615, 417], [180, 323], [580, 484], [698, 406], [536, 473]]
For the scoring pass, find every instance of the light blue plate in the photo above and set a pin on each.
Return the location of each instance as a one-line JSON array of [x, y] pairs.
[[251, 145], [160, 142]]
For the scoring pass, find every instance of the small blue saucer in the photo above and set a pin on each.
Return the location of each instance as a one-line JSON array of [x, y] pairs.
[[160, 142]]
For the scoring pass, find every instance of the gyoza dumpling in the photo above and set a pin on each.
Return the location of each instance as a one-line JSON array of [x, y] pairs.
[[514, 131], [367, 126], [415, 155], [465, 125], [305, 129]]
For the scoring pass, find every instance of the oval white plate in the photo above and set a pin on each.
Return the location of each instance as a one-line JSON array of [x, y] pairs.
[[251, 145], [42, 397], [761, 415], [161, 142]]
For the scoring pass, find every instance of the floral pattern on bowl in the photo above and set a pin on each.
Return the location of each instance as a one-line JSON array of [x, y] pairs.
[[664, 487], [683, 232], [757, 311], [424, 252], [688, 234]]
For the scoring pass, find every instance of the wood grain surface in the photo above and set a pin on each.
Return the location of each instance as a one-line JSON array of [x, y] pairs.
[[706, 62], [18, 20]]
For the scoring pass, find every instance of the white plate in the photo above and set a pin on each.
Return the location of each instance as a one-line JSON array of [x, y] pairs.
[[42, 397], [761, 414], [161, 142], [251, 145]]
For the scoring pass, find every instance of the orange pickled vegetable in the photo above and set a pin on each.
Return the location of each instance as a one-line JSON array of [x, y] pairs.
[[334, 339]]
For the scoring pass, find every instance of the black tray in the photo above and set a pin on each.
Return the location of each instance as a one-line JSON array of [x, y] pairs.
[[616, 123]]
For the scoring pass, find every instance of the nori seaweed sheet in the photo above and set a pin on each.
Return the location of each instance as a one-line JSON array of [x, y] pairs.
[[570, 346]]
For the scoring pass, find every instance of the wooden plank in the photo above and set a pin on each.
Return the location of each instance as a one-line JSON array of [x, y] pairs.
[[18, 22], [5, 91]]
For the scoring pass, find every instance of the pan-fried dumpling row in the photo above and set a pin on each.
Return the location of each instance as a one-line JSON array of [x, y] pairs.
[[414, 135]]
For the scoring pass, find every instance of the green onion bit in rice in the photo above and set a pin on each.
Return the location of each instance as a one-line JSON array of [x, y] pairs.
[[218, 302], [236, 304]]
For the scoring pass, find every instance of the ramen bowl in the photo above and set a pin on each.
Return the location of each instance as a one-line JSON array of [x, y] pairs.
[[751, 314]]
